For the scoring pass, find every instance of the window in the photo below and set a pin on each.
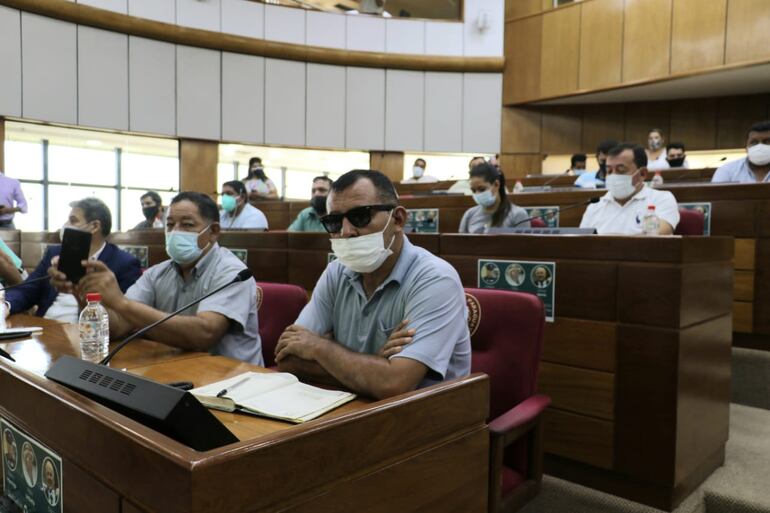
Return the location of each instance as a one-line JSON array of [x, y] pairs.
[[57, 165]]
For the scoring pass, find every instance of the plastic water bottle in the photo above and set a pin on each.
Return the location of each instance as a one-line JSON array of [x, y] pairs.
[[519, 187], [94, 329], [651, 223], [657, 180]]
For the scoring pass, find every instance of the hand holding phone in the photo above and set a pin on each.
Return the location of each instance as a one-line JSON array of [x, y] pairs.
[[75, 247]]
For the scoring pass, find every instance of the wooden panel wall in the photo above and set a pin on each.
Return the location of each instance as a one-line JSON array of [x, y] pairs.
[[391, 163], [646, 39], [598, 44], [697, 34], [601, 40], [560, 53], [198, 166]]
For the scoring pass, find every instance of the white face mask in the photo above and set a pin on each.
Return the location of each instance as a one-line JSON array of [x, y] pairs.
[[365, 253], [417, 171], [620, 186], [759, 154]]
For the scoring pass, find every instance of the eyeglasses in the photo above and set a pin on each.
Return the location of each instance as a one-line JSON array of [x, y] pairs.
[[358, 217]]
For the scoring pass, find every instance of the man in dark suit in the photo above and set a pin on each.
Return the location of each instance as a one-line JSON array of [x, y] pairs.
[[89, 214]]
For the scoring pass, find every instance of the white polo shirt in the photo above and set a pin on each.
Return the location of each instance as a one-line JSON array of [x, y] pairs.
[[610, 217]]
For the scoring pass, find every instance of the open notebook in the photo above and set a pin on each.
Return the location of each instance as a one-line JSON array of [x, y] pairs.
[[277, 395]]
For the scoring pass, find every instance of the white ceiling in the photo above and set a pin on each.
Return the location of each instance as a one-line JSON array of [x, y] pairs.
[[732, 82]]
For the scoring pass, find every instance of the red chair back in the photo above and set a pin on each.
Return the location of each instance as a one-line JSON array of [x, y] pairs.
[[690, 222], [278, 306], [506, 343], [538, 222]]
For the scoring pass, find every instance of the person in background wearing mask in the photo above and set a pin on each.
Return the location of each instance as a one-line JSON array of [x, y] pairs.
[[418, 173], [59, 304], [397, 312], [656, 150], [258, 185], [224, 324], [152, 210], [237, 213], [577, 164], [755, 168], [309, 220], [676, 156], [595, 179], [10, 194], [621, 211], [493, 208]]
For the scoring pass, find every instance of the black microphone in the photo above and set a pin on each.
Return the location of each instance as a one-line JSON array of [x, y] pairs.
[[33, 280], [4, 354], [244, 275], [549, 182], [595, 199]]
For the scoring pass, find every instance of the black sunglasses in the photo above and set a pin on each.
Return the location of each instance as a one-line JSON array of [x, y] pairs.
[[358, 217]]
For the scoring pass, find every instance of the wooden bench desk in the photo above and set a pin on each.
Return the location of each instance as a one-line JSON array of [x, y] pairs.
[[425, 449]]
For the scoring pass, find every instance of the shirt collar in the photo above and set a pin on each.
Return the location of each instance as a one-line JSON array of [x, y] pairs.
[[98, 252], [397, 274]]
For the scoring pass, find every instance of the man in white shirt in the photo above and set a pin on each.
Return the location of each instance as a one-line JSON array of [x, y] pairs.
[[621, 211], [237, 213], [755, 168], [418, 173]]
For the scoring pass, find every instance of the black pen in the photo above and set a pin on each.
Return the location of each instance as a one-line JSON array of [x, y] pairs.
[[232, 387], [6, 355]]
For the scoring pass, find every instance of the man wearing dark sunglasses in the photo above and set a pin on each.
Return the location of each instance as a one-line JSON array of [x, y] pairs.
[[386, 317]]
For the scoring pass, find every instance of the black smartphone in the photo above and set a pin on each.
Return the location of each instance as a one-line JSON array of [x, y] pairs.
[[75, 247]]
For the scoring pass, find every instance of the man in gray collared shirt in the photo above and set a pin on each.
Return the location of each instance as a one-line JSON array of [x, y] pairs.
[[225, 323], [365, 296], [755, 168]]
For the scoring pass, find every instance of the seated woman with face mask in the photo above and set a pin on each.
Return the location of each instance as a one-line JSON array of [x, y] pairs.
[[494, 209]]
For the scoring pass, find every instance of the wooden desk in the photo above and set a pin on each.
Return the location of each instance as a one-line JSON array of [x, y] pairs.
[[426, 449], [637, 362]]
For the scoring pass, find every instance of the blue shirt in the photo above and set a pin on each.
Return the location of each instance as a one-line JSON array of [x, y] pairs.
[[737, 171], [422, 288]]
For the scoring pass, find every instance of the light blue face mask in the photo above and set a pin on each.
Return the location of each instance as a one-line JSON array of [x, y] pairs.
[[229, 202], [182, 247], [485, 198]]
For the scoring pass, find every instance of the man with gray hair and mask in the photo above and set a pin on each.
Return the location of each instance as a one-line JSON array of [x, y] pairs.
[[386, 317]]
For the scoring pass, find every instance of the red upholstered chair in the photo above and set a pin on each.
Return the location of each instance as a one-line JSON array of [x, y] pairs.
[[538, 223], [690, 222], [278, 306], [506, 343]]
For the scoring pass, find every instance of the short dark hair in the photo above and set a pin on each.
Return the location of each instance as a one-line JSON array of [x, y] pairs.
[[206, 206], [605, 146], [577, 157], [381, 182], [761, 126], [675, 146], [421, 160], [94, 209], [152, 195], [255, 160], [237, 186], [640, 156], [325, 179]]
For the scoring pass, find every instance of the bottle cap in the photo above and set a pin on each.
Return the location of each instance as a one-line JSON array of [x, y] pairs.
[[93, 296], [649, 207]]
